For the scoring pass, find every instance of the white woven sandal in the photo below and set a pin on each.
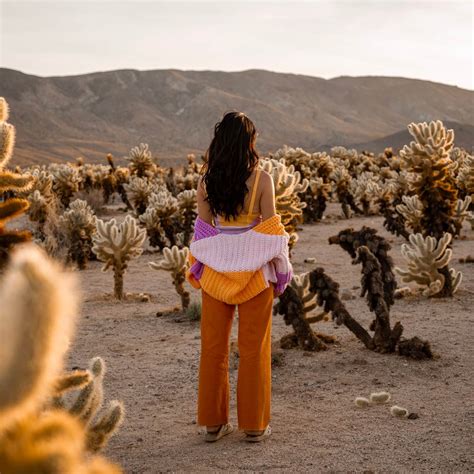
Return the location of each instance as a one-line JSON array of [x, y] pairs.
[[222, 431], [257, 438]]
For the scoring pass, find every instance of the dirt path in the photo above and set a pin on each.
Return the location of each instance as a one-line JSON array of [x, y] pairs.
[[153, 361]]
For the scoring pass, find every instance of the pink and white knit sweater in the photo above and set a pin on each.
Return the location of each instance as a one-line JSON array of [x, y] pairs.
[[234, 267]]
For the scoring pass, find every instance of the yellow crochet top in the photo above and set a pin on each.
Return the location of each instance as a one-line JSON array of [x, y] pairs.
[[242, 219]]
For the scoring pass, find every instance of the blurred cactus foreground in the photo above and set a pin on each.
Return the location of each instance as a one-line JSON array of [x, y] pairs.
[[10, 184], [37, 322]]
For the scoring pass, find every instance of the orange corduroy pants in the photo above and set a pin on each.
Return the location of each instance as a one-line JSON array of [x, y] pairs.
[[254, 373]]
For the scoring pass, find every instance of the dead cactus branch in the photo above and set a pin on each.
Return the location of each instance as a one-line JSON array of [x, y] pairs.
[[351, 240]]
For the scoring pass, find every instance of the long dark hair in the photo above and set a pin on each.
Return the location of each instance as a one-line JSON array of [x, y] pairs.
[[228, 163]]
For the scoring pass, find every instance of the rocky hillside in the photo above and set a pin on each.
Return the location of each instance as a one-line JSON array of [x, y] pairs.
[[60, 118]]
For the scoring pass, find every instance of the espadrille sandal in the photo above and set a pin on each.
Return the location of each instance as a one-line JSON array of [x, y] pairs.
[[257, 438], [222, 431]]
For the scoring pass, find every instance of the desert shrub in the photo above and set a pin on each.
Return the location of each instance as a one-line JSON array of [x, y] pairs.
[[193, 311]]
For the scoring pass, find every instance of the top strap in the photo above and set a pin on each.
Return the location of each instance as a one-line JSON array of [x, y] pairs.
[[254, 192]]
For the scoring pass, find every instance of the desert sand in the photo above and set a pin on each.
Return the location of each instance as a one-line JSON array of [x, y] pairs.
[[153, 367]]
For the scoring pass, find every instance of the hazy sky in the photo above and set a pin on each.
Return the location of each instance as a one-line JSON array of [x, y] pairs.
[[413, 38]]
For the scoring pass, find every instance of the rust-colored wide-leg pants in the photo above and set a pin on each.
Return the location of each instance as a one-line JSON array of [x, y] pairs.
[[254, 375]]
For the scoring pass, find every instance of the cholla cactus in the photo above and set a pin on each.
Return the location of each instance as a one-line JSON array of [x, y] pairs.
[[186, 180], [66, 182], [412, 212], [300, 283], [342, 179], [315, 168], [363, 188], [187, 203], [37, 319], [288, 184], [432, 175], [88, 403], [386, 338], [315, 197], [78, 225], [174, 261], [465, 175], [295, 305], [428, 261], [161, 218], [461, 212], [10, 182], [116, 244], [141, 161], [139, 191], [114, 182], [351, 240]]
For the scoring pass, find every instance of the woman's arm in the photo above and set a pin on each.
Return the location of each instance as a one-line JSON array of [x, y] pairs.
[[267, 198], [204, 210]]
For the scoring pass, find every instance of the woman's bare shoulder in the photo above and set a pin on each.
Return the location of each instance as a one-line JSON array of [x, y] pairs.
[[266, 179]]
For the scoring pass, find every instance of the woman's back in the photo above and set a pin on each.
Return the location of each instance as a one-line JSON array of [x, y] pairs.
[[249, 217]]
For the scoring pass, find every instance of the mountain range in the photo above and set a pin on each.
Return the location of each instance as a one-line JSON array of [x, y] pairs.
[[175, 111]]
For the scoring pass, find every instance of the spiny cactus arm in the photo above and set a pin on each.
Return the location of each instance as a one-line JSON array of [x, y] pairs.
[[37, 318], [51, 443], [456, 277], [328, 297], [7, 143], [71, 381], [12, 208], [427, 262], [15, 182], [291, 307], [89, 399], [131, 238], [4, 110], [99, 434], [430, 138], [174, 259]]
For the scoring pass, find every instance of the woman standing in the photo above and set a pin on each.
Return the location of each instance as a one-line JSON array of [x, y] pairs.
[[234, 198]]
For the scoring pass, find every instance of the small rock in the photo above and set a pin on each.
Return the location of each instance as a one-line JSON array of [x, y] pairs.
[[310, 260], [346, 294]]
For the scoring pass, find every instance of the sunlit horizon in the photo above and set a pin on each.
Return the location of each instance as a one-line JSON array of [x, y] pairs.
[[426, 40]]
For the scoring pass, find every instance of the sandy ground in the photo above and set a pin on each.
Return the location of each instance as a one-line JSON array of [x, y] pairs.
[[153, 367]]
